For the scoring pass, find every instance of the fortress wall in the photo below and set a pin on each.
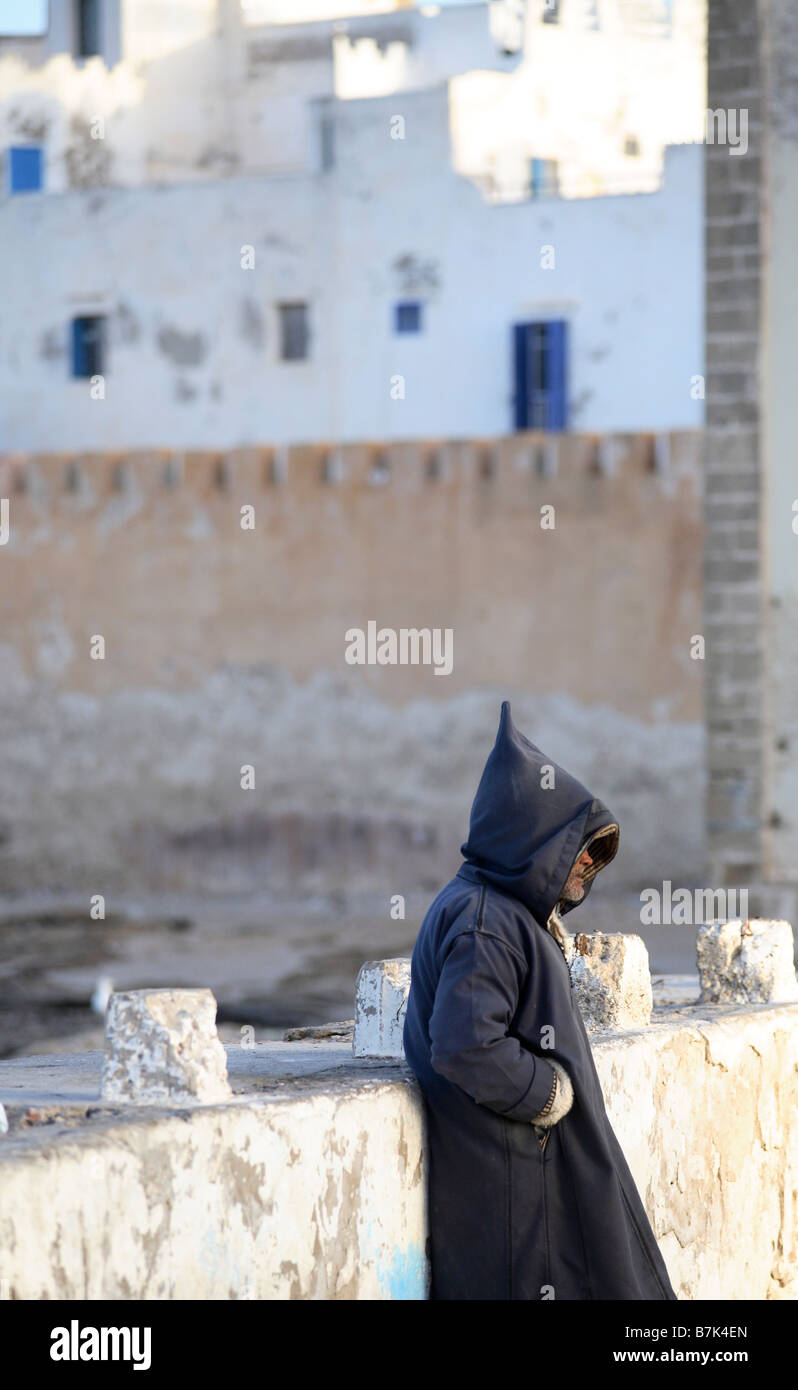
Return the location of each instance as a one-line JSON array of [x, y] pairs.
[[226, 646]]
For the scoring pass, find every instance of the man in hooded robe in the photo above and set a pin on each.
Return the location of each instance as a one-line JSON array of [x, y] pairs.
[[530, 1196]]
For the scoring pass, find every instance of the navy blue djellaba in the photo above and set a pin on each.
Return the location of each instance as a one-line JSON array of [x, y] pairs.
[[530, 1196]]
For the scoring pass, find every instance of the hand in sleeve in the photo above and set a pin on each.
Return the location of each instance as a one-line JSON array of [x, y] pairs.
[[475, 1003], [560, 1100]]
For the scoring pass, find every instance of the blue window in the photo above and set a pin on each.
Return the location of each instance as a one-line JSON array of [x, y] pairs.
[[87, 345], [24, 168], [408, 317], [540, 361]]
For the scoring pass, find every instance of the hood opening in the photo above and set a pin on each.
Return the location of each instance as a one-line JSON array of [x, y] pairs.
[[603, 847]]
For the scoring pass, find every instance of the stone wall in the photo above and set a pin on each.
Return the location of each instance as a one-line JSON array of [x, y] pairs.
[[779, 410], [734, 613], [751, 580], [225, 648]]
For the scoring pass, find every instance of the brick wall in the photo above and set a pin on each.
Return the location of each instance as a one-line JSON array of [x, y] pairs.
[[733, 597]]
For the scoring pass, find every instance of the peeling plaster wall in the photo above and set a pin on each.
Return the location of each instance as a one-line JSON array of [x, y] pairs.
[[321, 1195], [321, 1198], [706, 1112]]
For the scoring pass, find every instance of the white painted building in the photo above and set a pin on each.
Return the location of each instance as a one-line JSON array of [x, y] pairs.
[[402, 281], [581, 96]]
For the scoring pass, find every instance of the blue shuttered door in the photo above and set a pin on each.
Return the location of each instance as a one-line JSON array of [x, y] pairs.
[[79, 355], [520, 375], [556, 361], [540, 357]]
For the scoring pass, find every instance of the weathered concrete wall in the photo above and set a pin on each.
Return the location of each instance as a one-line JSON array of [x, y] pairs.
[[318, 1196], [310, 1183], [225, 647], [706, 1114]]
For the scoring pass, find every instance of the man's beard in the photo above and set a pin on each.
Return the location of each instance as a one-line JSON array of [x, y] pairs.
[[574, 890]]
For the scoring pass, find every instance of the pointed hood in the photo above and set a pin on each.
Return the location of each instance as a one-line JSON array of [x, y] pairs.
[[530, 821]]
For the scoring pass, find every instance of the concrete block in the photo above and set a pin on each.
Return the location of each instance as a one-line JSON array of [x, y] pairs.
[[161, 1047], [380, 1005], [746, 962], [612, 980]]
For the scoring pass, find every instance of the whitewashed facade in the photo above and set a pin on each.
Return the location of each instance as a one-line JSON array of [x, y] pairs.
[[219, 166]]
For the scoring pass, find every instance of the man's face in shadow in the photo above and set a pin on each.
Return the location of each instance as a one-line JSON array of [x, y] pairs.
[[574, 889]]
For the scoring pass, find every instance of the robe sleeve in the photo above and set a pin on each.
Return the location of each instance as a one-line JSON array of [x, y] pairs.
[[475, 1003]]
